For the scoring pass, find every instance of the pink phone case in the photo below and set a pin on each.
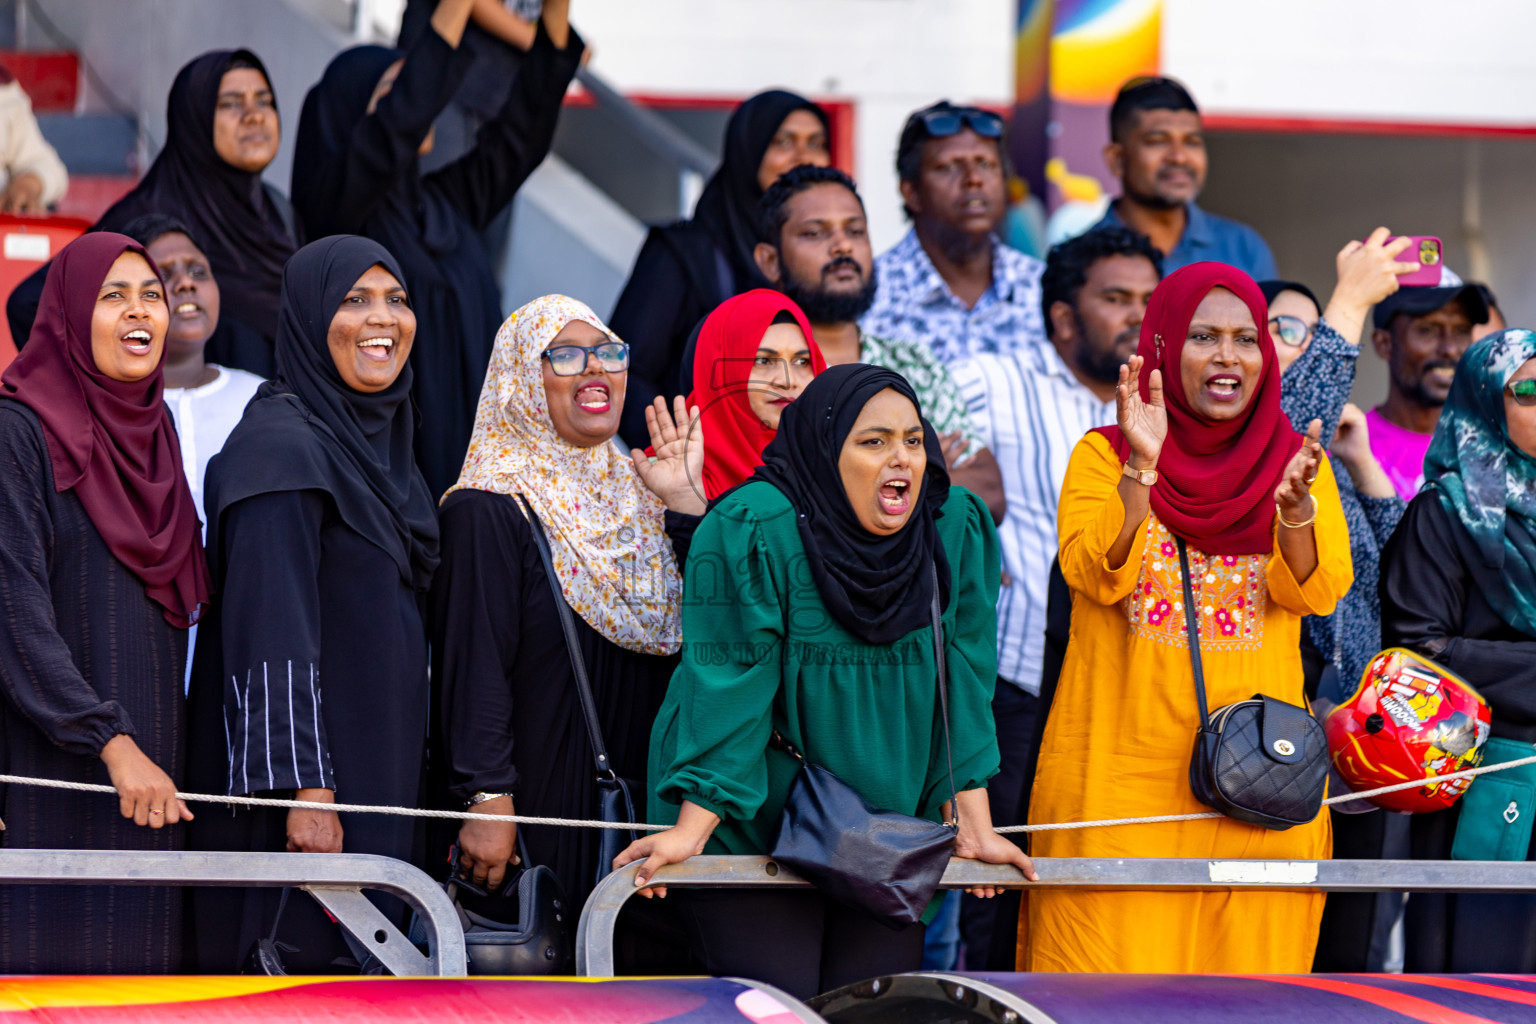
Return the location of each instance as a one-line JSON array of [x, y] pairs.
[[1426, 251]]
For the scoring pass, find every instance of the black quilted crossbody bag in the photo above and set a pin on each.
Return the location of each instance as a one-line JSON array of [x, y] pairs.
[[1261, 760]]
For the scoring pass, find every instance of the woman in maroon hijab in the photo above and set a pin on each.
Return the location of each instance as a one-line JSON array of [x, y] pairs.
[[1202, 458], [101, 573]]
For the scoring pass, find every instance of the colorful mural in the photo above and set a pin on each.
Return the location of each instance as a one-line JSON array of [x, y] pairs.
[[1071, 58]]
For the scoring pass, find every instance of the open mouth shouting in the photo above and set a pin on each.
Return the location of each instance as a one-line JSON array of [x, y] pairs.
[[137, 341], [895, 493], [1224, 388], [594, 398]]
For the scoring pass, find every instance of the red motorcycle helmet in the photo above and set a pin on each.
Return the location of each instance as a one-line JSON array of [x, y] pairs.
[[1410, 718]]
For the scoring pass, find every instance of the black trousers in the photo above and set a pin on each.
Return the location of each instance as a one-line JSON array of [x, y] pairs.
[[990, 927], [798, 941]]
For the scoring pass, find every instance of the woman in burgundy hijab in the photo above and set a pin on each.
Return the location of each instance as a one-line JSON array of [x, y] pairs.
[[101, 573], [1203, 460]]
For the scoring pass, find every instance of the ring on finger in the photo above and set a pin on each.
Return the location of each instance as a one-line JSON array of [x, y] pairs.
[[156, 811], [1311, 479]]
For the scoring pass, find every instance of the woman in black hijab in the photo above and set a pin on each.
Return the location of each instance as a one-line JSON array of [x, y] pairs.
[[322, 538], [355, 171], [222, 130], [819, 574], [686, 269]]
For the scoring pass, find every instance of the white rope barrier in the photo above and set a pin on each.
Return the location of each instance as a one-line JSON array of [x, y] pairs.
[[524, 819], [1345, 798]]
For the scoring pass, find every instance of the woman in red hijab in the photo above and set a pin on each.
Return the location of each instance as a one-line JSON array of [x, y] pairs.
[[754, 355], [101, 573], [1202, 453]]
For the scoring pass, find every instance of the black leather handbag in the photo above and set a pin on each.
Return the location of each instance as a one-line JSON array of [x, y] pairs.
[[1261, 760], [615, 796], [885, 863]]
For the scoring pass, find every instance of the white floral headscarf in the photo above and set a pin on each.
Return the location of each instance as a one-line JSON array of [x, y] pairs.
[[615, 564]]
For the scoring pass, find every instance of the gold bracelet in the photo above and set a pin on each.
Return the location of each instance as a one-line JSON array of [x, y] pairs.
[[1305, 522]]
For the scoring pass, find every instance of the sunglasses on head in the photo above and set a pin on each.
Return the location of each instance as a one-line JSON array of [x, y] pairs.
[[1290, 330], [949, 121], [1522, 391], [570, 360]]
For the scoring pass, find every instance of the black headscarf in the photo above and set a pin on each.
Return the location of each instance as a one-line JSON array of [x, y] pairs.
[[878, 588], [333, 112], [239, 224], [727, 208], [307, 430]]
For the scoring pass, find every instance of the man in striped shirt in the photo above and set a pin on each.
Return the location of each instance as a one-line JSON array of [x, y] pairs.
[[1030, 407]]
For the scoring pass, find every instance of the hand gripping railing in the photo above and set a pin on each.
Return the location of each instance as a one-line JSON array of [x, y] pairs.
[[335, 880], [594, 934]]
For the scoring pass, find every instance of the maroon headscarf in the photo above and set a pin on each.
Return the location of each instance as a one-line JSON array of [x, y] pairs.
[[112, 442], [1215, 480]]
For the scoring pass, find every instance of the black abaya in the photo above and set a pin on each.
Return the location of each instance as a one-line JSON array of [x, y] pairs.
[[85, 655], [510, 709], [304, 598], [1431, 602], [686, 269], [356, 173]]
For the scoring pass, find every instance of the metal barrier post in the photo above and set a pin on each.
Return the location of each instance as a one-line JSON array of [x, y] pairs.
[[594, 933], [335, 880]]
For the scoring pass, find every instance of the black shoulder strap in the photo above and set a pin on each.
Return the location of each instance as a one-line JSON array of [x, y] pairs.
[[578, 663], [938, 650], [1192, 626]]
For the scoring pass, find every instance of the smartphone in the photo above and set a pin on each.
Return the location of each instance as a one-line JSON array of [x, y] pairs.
[[1425, 250]]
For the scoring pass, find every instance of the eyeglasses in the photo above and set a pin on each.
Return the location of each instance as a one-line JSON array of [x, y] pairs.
[[942, 123], [1522, 391], [1292, 330], [570, 360]]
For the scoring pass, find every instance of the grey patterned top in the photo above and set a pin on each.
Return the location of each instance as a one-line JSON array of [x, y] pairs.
[[1316, 386]]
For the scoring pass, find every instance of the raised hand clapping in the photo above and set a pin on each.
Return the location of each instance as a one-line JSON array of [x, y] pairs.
[[1143, 423]]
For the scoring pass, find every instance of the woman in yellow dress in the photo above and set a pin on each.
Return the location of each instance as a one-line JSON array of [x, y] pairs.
[[1202, 451]]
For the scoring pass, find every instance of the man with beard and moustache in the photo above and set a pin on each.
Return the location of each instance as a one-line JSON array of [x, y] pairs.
[[1421, 332], [951, 284], [1031, 408], [816, 250], [1157, 150]]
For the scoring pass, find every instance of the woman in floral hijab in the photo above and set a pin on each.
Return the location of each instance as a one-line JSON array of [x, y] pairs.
[[542, 467]]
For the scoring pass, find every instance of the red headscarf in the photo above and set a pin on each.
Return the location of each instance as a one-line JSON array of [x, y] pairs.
[[112, 442], [734, 437], [1215, 480]]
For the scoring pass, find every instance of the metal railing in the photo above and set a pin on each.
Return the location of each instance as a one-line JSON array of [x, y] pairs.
[[335, 880], [594, 933]]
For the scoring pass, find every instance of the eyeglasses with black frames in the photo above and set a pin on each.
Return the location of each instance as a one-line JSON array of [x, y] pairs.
[[570, 360]]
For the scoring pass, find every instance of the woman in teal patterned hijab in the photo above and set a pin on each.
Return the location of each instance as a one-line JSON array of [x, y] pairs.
[[1482, 465]]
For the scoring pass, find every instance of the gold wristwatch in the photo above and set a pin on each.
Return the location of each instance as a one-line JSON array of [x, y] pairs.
[[1145, 477]]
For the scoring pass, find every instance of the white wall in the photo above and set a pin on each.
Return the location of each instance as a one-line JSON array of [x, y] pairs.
[[888, 56], [1464, 62]]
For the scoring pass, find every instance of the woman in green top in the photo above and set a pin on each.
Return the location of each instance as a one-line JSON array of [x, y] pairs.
[[808, 593]]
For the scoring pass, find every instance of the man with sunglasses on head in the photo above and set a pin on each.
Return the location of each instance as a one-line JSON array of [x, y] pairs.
[[951, 284], [1157, 150]]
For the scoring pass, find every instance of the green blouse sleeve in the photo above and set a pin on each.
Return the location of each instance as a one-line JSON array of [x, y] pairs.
[[723, 691], [970, 628]]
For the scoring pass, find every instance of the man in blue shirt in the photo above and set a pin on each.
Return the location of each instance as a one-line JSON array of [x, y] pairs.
[[1157, 150]]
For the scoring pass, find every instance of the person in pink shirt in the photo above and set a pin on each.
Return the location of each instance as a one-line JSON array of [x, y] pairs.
[[1421, 331]]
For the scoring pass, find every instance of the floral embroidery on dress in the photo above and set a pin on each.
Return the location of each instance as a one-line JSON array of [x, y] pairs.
[[1230, 591]]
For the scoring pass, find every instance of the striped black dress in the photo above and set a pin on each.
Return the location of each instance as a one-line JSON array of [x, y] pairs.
[[311, 672], [84, 655]]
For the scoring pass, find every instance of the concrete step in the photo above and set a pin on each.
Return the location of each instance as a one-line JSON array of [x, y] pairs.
[[93, 143]]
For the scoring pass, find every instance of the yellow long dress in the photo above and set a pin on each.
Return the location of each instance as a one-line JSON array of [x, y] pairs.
[[1122, 728]]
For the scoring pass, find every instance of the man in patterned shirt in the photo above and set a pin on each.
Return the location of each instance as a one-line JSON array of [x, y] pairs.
[[815, 249], [951, 284]]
